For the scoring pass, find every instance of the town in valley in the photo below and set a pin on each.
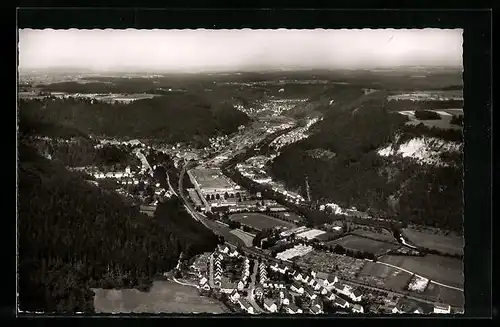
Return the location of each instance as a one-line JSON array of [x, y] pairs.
[[316, 192]]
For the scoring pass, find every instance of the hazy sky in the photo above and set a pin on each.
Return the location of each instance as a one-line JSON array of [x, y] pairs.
[[194, 50]]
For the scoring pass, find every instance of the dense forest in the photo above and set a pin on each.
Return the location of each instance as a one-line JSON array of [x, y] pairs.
[[173, 117], [74, 236], [358, 176]]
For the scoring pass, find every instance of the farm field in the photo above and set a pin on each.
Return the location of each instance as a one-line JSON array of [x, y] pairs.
[[447, 295], [246, 238], [382, 276], [164, 297], [385, 236], [260, 221], [444, 270], [358, 243], [443, 243]]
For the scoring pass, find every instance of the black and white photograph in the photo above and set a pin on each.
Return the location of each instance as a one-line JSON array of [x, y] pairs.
[[240, 171]]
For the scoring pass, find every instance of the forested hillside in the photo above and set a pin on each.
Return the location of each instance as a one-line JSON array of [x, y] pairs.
[[352, 173], [74, 236], [174, 118]]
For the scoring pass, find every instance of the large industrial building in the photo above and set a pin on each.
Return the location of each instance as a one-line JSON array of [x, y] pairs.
[[211, 182]]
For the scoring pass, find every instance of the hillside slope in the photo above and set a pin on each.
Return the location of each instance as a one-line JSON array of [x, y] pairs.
[[356, 157], [174, 118], [74, 236]]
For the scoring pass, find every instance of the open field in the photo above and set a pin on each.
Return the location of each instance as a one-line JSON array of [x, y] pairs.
[[384, 236], [444, 122], [443, 243], [444, 270], [447, 295], [260, 221], [245, 237], [382, 276], [164, 297], [358, 243]]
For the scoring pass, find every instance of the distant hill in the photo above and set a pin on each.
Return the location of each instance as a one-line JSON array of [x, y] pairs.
[[174, 118], [74, 236]]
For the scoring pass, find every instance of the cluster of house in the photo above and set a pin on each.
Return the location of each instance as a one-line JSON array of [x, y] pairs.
[[235, 297], [224, 285], [322, 283], [407, 306], [263, 278]]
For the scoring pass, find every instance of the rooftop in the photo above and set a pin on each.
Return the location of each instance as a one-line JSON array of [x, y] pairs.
[[211, 178], [268, 302]]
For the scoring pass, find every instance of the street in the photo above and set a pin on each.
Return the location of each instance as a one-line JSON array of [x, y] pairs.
[[251, 288]]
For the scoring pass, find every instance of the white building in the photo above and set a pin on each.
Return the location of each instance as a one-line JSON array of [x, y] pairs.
[[442, 308], [270, 306]]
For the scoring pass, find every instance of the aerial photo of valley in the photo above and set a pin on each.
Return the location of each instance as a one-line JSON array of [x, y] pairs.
[[240, 172]]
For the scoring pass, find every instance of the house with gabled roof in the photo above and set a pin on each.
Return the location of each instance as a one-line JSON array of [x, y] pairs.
[[340, 302], [316, 306], [203, 280], [223, 248], [315, 310], [330, 296], [297, 276], [234, 253], [355, 295], [204, 285], [332, 279], [235, 296], [357, 308], [296, 287], [270, 306], [258, 292], [323, 291], [285, 297], [342, 288], [240, 285], [282, 269], [245, 305], [293, 309], [309, 292], [315, 285]]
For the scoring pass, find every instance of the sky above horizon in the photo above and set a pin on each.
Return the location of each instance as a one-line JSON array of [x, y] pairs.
[[226, 50]]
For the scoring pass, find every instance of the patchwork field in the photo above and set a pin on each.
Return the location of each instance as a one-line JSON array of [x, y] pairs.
[[164, 297], [448, 271], [246, 238], [358, 243], [383, 276], [447, 295], [260, 221], [443, 243], [343, 266]]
